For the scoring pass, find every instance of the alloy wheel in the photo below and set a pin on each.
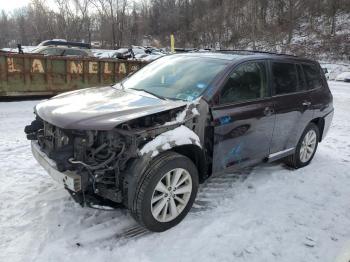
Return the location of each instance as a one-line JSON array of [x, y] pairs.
[[171, 195], [308, 146]]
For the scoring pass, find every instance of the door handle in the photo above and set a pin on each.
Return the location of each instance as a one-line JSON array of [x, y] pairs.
[[268, 111], [306, 103]]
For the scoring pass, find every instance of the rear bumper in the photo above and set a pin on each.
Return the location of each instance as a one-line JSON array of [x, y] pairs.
[[69, 179], [327, 123]]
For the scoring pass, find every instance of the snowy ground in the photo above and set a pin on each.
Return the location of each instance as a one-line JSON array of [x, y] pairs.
[[268, 213]]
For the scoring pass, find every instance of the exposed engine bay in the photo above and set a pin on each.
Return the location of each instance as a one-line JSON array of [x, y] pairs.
[[100, 157]]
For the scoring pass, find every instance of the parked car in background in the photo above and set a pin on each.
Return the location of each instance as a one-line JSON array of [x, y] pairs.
[[63, 48], [148, 141], [345, 77]]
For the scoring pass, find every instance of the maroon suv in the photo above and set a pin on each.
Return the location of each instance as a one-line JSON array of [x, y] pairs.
[[148, 141]]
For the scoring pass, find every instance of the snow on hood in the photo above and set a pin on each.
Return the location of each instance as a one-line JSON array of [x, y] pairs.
[[181, 135]]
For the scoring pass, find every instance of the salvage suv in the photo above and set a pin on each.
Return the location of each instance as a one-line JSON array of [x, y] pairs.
[[148, 141]]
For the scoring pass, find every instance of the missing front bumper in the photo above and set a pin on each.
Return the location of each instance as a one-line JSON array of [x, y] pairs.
[[69, 179]]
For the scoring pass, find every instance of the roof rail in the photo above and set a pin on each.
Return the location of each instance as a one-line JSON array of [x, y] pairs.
[[253, 51], [65, 43]]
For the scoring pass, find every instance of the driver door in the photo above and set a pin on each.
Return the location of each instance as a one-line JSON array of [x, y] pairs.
[[244, 118]]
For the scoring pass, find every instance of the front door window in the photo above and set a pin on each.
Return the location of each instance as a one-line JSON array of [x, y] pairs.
[[247, 82]]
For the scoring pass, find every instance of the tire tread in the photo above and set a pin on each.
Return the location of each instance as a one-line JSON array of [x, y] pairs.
[[145, 179]]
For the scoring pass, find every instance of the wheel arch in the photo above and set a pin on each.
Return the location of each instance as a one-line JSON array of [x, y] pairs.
[[197, 156], [137, 166], [320, 123]]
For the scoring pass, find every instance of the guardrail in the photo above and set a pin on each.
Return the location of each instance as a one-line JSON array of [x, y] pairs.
[[36, 75]]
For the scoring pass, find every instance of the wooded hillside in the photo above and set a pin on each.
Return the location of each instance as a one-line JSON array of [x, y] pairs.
[[311, 27]]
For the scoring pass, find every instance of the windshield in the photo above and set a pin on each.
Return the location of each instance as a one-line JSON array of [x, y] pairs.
[[176, 77]]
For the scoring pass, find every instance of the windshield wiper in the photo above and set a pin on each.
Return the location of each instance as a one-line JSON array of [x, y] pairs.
[[148, 92]]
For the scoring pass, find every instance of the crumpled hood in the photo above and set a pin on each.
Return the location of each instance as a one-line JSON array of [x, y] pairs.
[[100, 108]]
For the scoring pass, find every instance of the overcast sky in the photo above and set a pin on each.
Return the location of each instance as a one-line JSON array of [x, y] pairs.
[[10, 5]]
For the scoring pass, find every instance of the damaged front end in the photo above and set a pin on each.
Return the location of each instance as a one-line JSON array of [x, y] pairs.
[[97, 157], [92, 164]]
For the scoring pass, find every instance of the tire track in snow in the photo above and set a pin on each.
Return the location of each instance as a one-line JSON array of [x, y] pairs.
[[210, 193], [209, 196], [217, 188]]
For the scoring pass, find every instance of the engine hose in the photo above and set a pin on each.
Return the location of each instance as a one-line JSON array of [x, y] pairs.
[[98, 149], [71, 160]]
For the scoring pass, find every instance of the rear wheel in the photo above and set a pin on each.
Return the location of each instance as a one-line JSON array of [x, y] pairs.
[[165, 192], [306, 147]]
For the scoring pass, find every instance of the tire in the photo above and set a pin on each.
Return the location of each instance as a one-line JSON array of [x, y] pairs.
[[300, 159], [165, 169]]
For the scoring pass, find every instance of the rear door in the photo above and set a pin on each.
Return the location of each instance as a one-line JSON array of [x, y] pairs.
[[243, 118], [292, 106]]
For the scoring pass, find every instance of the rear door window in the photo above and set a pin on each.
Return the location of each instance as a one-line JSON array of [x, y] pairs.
[[285, 78], [312, 76], [247, 82]]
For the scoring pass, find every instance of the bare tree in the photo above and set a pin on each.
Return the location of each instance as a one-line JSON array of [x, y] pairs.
[[257, 24]]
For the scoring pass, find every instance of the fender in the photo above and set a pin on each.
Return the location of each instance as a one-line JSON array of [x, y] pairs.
[[138, 166]]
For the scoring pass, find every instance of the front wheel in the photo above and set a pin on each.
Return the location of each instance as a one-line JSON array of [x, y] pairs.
[[165, 192], [306, 147]]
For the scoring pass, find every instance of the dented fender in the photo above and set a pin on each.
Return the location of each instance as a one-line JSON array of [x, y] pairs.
[[178, 136]]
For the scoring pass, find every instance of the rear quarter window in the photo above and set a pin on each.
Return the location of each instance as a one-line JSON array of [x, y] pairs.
[[312, 76]]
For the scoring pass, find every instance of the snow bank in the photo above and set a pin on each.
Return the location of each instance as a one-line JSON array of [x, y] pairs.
[[181, 135], [335, 68], [103, 53], [26, 49], [139, 54]]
